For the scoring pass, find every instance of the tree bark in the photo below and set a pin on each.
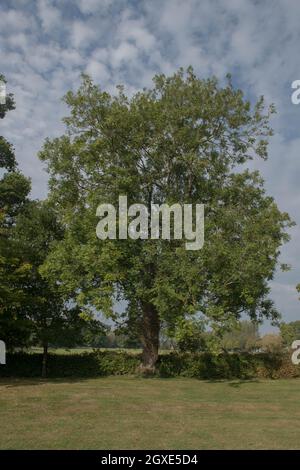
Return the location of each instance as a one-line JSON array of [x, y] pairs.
[[150, 338], [45, 357]]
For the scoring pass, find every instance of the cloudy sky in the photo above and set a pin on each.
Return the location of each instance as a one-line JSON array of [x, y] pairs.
[[46, 44]]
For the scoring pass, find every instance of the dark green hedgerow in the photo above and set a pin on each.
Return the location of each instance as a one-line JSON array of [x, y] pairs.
[[228, 366], [198, 365], [93, 364]]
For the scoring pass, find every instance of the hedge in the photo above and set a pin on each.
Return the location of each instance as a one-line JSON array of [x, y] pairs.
[[198, 365]]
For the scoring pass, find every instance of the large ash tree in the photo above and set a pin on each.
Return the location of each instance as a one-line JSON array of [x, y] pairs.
[[183, 141]]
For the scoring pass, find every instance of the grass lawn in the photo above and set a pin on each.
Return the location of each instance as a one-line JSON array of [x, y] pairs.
[[136, 413]]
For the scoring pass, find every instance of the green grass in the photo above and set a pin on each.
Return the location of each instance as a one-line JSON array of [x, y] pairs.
[[134, 413]]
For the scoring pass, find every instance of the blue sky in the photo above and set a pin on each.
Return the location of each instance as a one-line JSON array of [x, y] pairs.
[[46, 44]]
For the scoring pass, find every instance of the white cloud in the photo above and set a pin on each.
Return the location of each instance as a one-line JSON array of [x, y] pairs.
[[82, 34], [97, 71], [49, 15], [135, 30], [123, 54], [93, 6], [15, 21]]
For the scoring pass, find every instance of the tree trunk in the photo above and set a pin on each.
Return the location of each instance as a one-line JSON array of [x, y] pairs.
[[45, 357], [150, 338]]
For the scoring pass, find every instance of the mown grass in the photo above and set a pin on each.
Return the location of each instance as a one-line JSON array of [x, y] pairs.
[[135, 413]]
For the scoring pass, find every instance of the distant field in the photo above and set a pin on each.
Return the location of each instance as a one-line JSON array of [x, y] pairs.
[[132, 413], [82, 350], [74, 350]]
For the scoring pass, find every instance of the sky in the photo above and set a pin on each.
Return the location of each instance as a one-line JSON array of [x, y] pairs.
[[46, 44]]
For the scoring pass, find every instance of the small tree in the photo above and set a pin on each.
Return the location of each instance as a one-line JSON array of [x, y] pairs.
[[51, 317]]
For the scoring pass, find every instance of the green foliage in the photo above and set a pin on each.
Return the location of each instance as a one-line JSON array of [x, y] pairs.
[[290, 332], [197, 365], [14, 330], [7, 156], [189, 335], [14, 189]]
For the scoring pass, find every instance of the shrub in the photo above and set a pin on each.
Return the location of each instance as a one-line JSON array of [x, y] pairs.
[[198, 365]]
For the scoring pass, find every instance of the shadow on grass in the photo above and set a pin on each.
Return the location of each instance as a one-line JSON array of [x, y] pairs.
[[234, 383], [26, 381], [238, 383], [12, 382]]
